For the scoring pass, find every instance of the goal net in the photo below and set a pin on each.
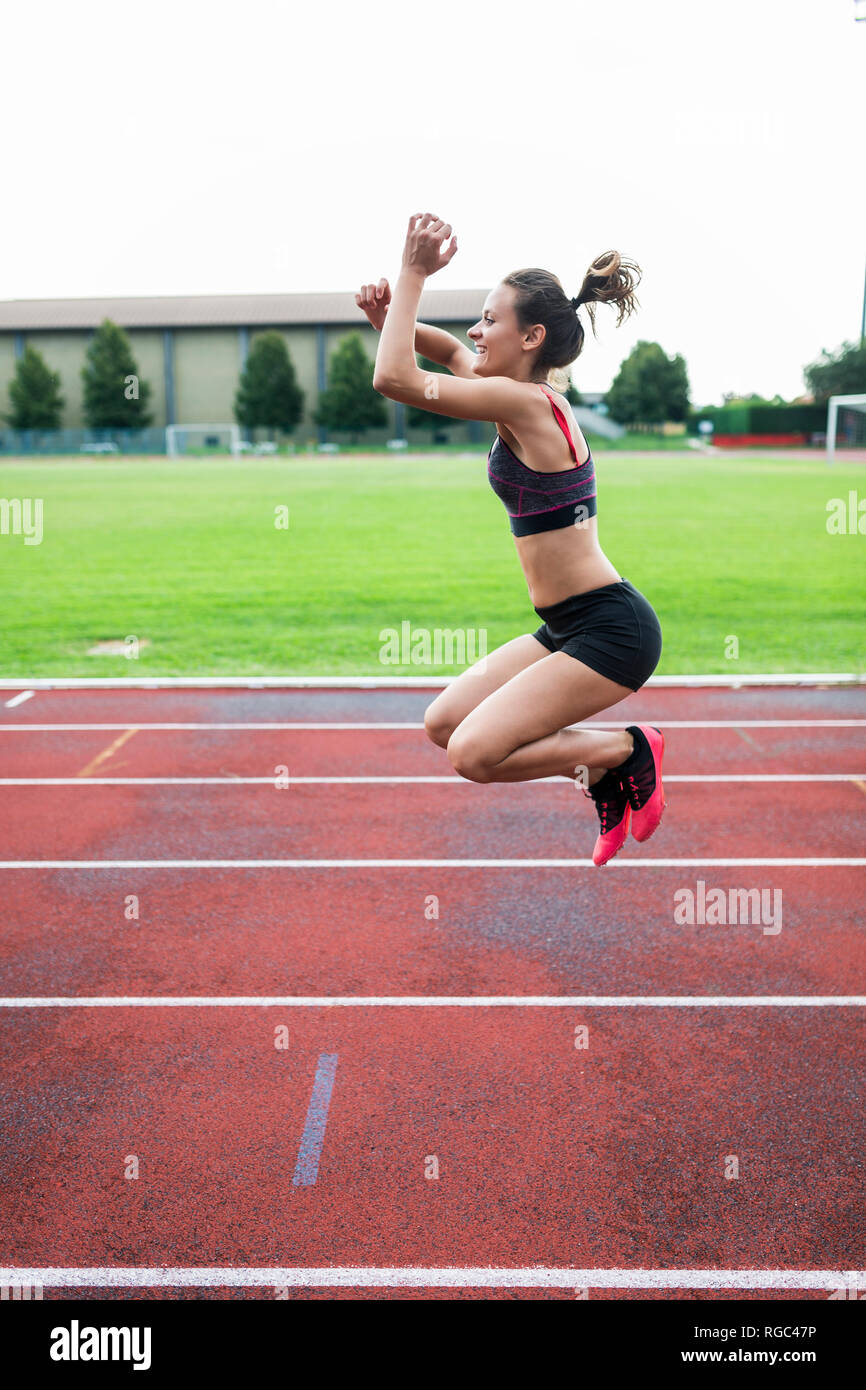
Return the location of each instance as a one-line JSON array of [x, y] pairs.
[[202, 439], [846, 424]]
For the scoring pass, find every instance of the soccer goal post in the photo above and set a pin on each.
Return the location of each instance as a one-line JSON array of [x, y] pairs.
[[202, 439], [846, 423]]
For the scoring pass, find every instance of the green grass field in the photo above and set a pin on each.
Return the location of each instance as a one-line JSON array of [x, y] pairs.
[[186, 554]]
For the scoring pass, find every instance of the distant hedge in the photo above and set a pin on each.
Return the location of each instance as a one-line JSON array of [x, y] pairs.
[[761, 419]]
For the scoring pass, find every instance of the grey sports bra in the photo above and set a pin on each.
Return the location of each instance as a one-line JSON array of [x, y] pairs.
[[542, 501]]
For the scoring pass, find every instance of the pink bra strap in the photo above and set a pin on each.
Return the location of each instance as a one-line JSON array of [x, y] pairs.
[[560, 420]]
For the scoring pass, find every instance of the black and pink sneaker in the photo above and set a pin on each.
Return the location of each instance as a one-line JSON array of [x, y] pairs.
[[640, 777]]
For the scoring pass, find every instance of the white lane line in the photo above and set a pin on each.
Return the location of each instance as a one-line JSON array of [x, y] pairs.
[[453, 780], [19, 699], [435, 1001], [415, 1276], [828, 863], [383, 726], [267, 727], [431, 682]]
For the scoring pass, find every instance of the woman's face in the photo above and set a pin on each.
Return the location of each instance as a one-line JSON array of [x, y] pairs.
[[496, 336]]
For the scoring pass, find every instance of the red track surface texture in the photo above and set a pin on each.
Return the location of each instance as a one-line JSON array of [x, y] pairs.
[[611, 1134]]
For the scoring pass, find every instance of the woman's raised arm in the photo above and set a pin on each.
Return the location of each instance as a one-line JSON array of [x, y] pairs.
[[433, 343]]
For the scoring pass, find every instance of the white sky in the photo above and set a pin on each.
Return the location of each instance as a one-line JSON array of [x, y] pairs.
[[181, 147]]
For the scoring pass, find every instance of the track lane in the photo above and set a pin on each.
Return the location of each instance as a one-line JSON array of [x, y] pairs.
[[366, 821], [324, 752], [622, 1164], [365, 932], [386, 705]]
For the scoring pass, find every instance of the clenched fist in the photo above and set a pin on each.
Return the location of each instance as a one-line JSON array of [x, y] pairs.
[[374, 300]]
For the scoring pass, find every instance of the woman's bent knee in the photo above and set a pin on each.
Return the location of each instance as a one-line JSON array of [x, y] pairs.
[[467, 758], [437, 726]]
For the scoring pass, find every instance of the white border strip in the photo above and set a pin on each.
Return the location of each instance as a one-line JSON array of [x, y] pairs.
[[453, 780], [389, 682], [829, 863], [433, 1001], [413, 1276]]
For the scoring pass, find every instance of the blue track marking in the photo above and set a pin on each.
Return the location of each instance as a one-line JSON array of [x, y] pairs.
[[307, 1166]]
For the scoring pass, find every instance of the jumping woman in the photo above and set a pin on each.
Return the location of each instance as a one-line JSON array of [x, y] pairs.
[[509, 717]]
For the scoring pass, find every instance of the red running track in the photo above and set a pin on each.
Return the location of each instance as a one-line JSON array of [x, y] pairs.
[[607, 1156], [540, 820], [404, 752]]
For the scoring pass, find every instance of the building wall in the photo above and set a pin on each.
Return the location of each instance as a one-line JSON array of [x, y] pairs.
[[207, 366], [146, 346], [66, 352]]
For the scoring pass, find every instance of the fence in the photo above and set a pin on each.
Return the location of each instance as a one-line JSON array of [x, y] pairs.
[[152, 441], [149, 441], [471, 434]]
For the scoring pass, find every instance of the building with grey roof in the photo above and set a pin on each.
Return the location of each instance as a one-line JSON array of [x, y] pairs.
[[192, 348]]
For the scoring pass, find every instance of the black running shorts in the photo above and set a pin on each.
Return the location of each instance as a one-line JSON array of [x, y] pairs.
[[613, 629]]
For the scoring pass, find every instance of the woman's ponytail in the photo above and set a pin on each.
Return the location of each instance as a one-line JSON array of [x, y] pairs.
[[611, 279], [540, 298]]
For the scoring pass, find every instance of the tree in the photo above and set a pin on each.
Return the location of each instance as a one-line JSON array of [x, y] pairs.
[[649, 387], [268, 394], [35, 394], [115, 397], [572, 395], [841, 375], [418, 418], [349, 401]]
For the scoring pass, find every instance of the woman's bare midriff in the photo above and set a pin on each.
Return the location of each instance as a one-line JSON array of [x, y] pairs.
[[563, 562]]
